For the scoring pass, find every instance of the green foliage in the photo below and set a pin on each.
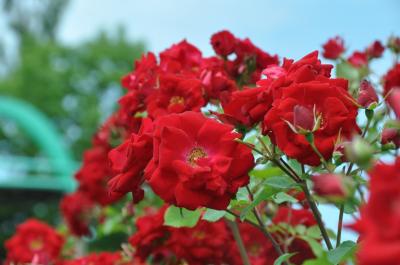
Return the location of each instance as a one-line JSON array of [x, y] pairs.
[[342, 253], [283, 258], [180, 217], [212, 215]]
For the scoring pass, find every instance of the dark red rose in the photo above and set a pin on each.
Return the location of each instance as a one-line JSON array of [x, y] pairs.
[[180, 58], [375, 50], [394, 101], [206, 243], [128, 161], [330, 185], [333, 48], [176, 94], [377, 245], [367, 94], [33, 241], [197, 162], [391, 135], [151, 236], [223, 43], [331, 104], [394, 44], [76, 209], [358, 59]]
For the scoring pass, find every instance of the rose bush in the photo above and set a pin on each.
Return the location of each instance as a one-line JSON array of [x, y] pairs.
[[226, 159]]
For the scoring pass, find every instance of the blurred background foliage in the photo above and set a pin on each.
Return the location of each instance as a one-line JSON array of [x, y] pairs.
[[75, 86]]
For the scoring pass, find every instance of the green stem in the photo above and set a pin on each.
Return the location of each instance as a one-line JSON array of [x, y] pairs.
[[340, 225], [236, 234]]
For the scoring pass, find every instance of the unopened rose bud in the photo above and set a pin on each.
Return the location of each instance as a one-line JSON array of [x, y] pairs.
[[223, 43], [359, 151], [339, 151], [358, 59], [394, 44], [394, 100], [391, 135], [333, 48], [367, 94], [331, 186], [303, 118], [375, 50]]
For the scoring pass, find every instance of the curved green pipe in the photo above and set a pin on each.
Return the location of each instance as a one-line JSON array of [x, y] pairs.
[[43, 133]]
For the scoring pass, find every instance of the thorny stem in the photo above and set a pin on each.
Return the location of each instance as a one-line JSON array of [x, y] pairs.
[[236, 234]]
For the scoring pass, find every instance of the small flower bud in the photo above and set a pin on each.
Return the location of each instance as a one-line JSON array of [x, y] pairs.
[[391, 135], [331, 186], [394, 44], [359, 151], [375, 50], [367, 94]]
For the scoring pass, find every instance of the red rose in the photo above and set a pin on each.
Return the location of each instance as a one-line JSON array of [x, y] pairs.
[[333, 48], [36, 241], [206, 243], [381, 246], [175, 95], [392, 79], [180, 58], [329, 101], [358, 59], [151, 236], [128, 161], [375, 50], [76, 209], [223, 43], [367, 94], [197, 162]]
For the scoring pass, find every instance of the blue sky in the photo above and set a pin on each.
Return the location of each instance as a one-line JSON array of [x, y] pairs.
[[289, 28]]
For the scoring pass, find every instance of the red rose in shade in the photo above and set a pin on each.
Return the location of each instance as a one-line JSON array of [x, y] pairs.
[[128, 161], [34, 240], [206, 243], [76, 208], [394, 101], [101, 258], [151, 236], [333, 48], [223, 43], [358, 59], [381, 246], [197, 162], [180, 58], [329, 102], [175, 95], [375, 50]]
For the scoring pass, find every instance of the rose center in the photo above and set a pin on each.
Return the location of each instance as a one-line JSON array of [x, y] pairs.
[[195, 154], [176, 100], [36, 244]]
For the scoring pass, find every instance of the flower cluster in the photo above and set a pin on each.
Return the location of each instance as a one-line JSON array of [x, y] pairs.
[[245, 147]]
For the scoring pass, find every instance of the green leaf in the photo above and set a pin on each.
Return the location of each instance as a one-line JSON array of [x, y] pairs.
[[212, 215], [314, 232], [181, 217], [319, 261], [280, 182], [283, 258], [263, 195], [343, 252], [282, 197], [266, 172], [316, 247]]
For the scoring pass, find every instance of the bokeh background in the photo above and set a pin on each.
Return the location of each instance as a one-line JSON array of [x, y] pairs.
[[66, 57]]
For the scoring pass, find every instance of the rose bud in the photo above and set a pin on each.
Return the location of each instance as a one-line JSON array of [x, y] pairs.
[[394, 44], [303, 118], [339, 152], [394, 100], [375, 50], [367, 94], [333, 48], [331, 186], [358, 59], [359, 151], [223, 43], [391, 135]]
